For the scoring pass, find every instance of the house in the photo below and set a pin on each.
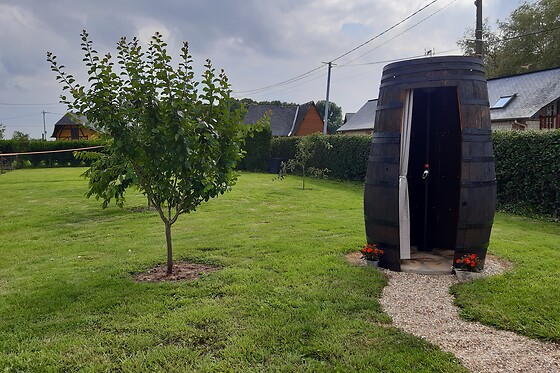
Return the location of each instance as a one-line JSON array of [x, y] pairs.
[[71, 128], [518, 102], [287, 120], [360, 123], [525, 101]]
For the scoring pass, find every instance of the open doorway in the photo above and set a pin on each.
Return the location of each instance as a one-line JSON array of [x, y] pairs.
[[434, 168]]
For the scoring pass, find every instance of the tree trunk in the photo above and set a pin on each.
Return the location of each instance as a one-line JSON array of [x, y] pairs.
[[169, 248]]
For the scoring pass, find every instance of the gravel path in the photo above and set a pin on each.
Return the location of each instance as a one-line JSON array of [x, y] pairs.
[[422, 305]]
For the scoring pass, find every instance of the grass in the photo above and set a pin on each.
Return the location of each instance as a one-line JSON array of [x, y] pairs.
[[526, 299], [285, 299]]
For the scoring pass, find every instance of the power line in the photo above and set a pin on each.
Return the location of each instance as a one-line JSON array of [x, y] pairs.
[[304, 75], [294, 79], [25, 104], [384, 32], [291, 88], [403, 32], [396, 59], [29, 115], [21, 116], [527, 34]]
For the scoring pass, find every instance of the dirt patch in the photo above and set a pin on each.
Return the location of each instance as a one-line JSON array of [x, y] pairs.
[[355, 258], [182, 271]]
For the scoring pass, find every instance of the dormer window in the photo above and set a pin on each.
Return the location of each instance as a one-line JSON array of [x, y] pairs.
[[503, 102]]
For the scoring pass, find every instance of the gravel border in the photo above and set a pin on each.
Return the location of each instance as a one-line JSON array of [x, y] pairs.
[[422, 305]]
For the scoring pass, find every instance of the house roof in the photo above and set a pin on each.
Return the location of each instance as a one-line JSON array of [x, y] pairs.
[[285, 120], [347, 116], [531, 91], [67, 120], [363, 120]]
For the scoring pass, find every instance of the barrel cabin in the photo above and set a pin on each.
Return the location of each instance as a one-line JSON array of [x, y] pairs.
[[430, 181]]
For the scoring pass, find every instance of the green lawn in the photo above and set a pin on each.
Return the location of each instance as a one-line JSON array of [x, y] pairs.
[[285, 299], [526, 299]]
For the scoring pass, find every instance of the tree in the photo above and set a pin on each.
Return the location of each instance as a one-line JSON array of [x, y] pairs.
[[525, 42], [490, 50], [527, 45], [20, 136], [2, 130], [306, 148], [179, 136], [334, 121], [109, 176]]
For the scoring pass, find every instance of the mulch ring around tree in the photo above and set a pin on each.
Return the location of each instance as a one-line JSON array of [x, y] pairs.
[[182, 271]]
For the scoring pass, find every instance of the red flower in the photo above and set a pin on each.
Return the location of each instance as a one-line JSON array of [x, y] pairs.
[[467, 260], [458, 261], [369, 250], [473, 256], [473, 264]]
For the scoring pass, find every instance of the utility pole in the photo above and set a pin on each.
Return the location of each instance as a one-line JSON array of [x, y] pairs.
[[327, 100], [44, 127], [478, 33]]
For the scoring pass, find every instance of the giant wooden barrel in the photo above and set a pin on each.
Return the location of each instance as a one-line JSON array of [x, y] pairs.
[[450, 136]]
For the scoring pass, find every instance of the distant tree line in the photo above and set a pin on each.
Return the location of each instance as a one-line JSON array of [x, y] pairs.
[[526, 41]]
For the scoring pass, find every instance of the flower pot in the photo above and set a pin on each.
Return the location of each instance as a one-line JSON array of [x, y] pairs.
[[464, 275], [372, 263]]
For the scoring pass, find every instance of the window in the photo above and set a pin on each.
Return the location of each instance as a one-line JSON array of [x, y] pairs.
[[75, 133], [551, 109], [503, 102]]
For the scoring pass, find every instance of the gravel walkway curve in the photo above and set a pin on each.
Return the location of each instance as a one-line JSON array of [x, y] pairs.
[[431, 315]]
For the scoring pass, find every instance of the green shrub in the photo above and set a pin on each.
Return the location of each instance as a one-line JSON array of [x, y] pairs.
[[527, 166], [45, 160], [527, 163], [346, 158], [257, 149], [307, 149], [283, 147], [528, 171]]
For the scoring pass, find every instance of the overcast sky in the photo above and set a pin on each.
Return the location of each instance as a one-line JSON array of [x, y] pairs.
[[259, 43]]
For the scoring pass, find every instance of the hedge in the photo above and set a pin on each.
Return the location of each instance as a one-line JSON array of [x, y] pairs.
[[528, 171], [283, 147], [45, 160], [527, 163], [346, 159], [257, 148], [527, 166]]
